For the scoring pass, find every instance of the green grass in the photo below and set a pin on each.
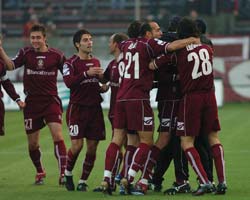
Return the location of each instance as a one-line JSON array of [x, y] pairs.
[[17, 173]]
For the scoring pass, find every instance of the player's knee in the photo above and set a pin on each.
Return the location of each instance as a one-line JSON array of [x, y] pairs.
[[33, 146], [92, 148], [186, 145], [58, 136], [213, 138], [163, 140], [76, 148]]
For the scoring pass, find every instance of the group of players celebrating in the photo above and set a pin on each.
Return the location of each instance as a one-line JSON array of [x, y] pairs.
[[179, 63]]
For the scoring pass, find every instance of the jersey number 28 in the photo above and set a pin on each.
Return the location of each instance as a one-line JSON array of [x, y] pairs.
[[200, 60]]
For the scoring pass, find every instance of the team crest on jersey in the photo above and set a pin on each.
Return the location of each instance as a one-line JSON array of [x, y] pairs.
[[40, 63], [148, 121]]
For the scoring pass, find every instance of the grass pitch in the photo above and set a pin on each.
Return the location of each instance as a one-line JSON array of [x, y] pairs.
[[17, 172]]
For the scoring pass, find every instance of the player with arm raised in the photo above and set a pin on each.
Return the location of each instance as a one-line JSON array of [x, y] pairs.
[[43, 106], [198, 112], [9, 88], [167, 146], [132, 109]]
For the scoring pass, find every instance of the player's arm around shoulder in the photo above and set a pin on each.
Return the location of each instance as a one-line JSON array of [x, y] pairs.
[[163, 60], [179, 44]]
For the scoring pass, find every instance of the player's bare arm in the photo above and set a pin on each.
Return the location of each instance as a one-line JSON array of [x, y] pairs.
[[179, 44], [5, 57]]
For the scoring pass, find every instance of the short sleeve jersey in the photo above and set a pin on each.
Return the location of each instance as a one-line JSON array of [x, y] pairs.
[[136, 77], [40, 70], [84, 89], [195, 67]]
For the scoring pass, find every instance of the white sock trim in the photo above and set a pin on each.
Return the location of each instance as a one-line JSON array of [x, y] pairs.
[[68, 173], [107, 173], [131, 172], [144, 181], [81, 181]]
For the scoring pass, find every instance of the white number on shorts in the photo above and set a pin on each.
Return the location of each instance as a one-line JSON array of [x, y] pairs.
[[203, 59], [73, 130], [28, 124], [123, 70]]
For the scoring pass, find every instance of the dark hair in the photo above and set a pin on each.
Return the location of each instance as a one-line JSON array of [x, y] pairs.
[[38, 28], [173, 23], [119, 37], [187, 28], [134, 29], [201, 25], [144, 28], [78, 35]]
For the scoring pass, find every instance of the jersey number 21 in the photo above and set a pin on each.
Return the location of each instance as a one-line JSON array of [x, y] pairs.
[[131, 60]]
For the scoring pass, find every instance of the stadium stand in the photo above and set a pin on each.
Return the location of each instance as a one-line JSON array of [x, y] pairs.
[[100, 18]]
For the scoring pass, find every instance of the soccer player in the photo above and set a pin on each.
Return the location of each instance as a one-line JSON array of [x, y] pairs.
[[201, 142], [201, 25], [43, 106], [168, 99], [9, 88], [132, 137], [156, 29], [198, 113], [111, 74], [172, 150], [81, 75], [132, 109], [167, 146]]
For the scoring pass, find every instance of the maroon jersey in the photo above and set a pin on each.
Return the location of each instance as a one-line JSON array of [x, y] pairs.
[[136, 77], [195, 67], [40, 70], [166, 76], [84, 89], [7, 85], [112, 75]]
